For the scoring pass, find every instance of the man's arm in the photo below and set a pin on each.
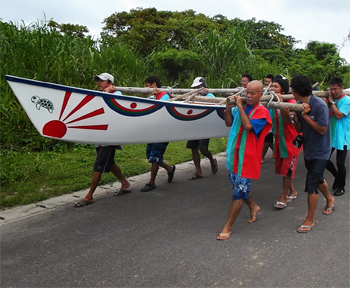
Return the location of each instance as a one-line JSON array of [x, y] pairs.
[[244, 118], [313, 124], [336, 111], [297, 123], [228, 113]]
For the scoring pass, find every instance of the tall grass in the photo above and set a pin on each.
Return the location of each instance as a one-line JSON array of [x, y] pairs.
[[227, 57]]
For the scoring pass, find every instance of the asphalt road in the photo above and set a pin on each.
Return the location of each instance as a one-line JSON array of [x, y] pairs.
[[167, 237]]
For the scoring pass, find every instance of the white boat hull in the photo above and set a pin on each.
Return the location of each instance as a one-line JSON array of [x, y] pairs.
[[92, 117]]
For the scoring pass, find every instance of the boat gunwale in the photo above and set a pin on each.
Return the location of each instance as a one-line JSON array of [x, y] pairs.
[[182, 104]]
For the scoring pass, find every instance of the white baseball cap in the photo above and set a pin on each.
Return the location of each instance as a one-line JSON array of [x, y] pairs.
[[199, 81], [104, 77]]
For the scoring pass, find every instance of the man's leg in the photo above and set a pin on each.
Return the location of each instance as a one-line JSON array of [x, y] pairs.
[[213, 162], [166, 166], [115, 169], [341, 157], [197, 161], [235, 208], [254, 209], [154, 172], [286, 187], [293, 191], [330, 200], [311, 204], [331, 168], [96, 177]]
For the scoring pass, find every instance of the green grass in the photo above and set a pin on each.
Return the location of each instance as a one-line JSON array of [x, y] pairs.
[[29, 177]]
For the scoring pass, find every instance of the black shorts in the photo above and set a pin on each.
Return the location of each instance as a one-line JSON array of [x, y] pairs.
[[104, 159], [269, 137], [202, 144], [315, 169]]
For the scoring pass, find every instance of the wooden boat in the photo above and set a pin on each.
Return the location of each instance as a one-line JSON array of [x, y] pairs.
[[93, 117]]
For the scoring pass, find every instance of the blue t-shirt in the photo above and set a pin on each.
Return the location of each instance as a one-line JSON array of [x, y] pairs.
[[341, 133], [165, 97], [316, 146]]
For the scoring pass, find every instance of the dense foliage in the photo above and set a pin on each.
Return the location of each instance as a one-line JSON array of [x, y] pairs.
[[177, 46]]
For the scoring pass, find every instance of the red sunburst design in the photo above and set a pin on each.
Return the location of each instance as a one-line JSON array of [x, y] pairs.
[[58, 128]]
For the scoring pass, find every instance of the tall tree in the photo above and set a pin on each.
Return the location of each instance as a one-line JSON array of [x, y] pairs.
[[148, 29]]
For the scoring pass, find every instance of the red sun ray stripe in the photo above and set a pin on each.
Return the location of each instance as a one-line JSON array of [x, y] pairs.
[[65, 101], [83, 102], [92, 127], [89, 115]]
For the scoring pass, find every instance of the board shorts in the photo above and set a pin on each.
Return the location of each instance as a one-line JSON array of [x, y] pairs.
[[240, 186], [315, 169], [202, 144], [104, 159], [155, 152], [286, 166]]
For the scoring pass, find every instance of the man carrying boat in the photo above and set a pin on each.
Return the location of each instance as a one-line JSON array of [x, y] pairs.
[[249, 125], [339, 117], [313, 122], [246, 78], [155, 151], [201, 144], [286, 154], [105, 154]]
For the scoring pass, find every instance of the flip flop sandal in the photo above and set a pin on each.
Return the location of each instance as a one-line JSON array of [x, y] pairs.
[[307, 227], [121, 192], [148, 187], [82, 203], [195, 176], [280, 205], [329, 210], [291, 198]]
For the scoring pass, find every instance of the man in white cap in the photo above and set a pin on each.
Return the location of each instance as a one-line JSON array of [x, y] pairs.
[[202, 144], [104, 161], [105, 83]]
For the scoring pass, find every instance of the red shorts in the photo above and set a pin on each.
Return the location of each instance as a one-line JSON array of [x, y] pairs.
[[286, 166]]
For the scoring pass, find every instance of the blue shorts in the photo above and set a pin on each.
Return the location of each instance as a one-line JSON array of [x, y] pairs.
[[155, 152], [240, 186], [314, 177]]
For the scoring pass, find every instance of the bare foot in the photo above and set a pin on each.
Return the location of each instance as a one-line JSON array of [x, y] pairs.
[[253, 213], [262, 161], [223, 235]]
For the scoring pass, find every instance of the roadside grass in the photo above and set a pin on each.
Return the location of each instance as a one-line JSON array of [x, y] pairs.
[[30, 177]]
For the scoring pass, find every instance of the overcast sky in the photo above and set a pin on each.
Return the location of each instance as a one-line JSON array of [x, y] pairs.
[[305, 20]]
